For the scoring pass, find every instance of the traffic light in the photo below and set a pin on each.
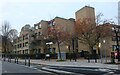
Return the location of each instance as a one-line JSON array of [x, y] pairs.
[[116, 53]]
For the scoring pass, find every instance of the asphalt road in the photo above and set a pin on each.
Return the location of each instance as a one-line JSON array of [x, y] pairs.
[[18, 69], [86, 70]]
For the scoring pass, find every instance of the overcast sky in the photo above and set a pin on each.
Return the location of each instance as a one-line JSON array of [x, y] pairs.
[[21, 12]]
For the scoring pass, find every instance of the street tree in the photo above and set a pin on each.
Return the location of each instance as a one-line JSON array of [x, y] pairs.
[[89, 33], [8, 35], [58, 35], [68, 42]]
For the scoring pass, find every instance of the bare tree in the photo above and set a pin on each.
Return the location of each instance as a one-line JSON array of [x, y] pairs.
[[8, 35], [13, 34], [57, 34], [99, 18], [89, 33], [68, 42]]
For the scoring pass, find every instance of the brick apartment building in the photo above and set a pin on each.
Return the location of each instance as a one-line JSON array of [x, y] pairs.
[[22, 43], [34, 40]]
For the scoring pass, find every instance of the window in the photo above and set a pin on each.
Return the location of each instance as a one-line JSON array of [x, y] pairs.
[[50, 24], [119, 38], [26, 36], [114, 47], [20, 39], [34, 51], [20, 52], [26, 51], [23, 37], [23, 52], [35, 33], [54, 50], [40, 33], [114, 38], [15, 46], [23, 44], [26, 43], [40, 26], [53, 22], [20, 45], [36, 27], [50, 50]]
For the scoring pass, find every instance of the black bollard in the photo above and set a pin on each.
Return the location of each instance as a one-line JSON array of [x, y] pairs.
[[70, 59], [75, 59], [3, 58], [17, 60], [29, 61], [95, 60], [25, 60], [10, 59], [88, 60]]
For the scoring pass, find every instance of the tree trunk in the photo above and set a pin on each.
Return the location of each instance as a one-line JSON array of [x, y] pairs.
[[92, 51], [69, 53], [59, 50], [98, 51], [5, 46]]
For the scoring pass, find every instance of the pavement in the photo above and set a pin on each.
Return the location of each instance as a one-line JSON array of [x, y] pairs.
[[79, 63]]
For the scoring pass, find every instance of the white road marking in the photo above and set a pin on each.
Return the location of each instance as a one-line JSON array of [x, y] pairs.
[[5, 71], [59, 71], [44, 71], [111, 72]]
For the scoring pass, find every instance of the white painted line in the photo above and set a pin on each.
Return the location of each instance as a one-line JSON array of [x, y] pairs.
[[105, 70], [59, 71], [35, 68], [111, 72], [43, 71]]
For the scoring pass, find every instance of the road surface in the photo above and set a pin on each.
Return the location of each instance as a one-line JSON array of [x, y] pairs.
[[83, 70], [18, 69], [35, 69]]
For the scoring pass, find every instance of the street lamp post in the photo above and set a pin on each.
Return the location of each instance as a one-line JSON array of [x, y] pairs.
[[116, 30], [105, 52], [99, 46]]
